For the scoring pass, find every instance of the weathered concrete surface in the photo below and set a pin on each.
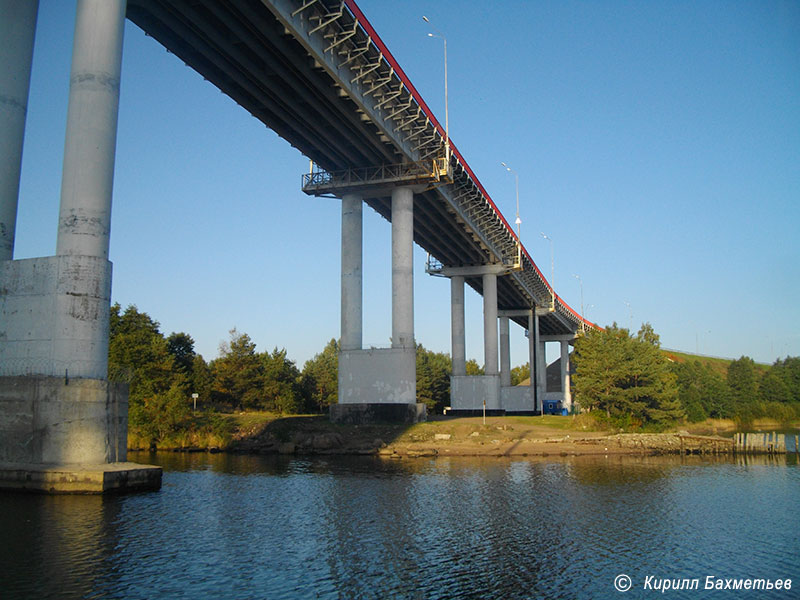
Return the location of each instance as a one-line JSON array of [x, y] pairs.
[[84, 221], [403, 268], [468, 392], [517, 398], [79, 479], [378, 376], [67, 437], [362, 414], [352, 267], [49, 420], [17, 30], [54, 315]]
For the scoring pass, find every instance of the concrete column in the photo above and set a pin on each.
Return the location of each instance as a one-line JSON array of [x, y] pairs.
[[505, 353], [565, 383], [87, 180], [490, 324], [402, 268], [458, 338], [541, 366], [80, 344], [17, 29], [532, 334], [352, 295]]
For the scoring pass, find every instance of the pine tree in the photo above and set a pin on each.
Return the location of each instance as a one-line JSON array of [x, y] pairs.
[[320, 379], [626, 378]]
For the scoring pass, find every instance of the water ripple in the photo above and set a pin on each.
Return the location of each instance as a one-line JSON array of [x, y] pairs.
[[255, 527]]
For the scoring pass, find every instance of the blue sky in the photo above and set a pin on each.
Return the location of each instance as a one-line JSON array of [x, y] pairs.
[[657, 144]]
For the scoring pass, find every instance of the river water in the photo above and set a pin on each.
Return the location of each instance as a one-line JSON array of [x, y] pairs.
[[274, 527]]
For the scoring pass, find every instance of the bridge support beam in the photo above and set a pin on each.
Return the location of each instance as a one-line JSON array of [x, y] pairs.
[[533, 330], [17, 30], [60, 419], [378, 384], [505, 353], [403, 268], [352, 258], [565, 377], [541, 366], [458, 337], [490, 324]]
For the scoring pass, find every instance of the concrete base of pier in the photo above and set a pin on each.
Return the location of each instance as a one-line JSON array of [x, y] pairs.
[[120, 477], [67, 436], [60, 421], [475, 392], [363, 414]]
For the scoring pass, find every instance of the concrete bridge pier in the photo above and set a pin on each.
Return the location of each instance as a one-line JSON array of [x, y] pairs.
[[514, 398], [563, 396], [565, 376], [505, 353], [474, 392], [17, 30], [540, 371], [457, 324], [378, 384], [63, 425], [352, 286]]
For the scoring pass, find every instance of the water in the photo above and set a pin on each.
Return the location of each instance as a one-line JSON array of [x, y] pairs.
[[271, 527]]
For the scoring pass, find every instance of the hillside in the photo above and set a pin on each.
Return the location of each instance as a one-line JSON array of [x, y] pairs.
[[719, 365]]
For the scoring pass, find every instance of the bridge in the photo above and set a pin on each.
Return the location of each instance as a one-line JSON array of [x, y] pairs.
[[318, 74]]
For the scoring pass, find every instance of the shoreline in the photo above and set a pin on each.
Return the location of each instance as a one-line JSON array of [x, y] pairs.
[[469, 437]]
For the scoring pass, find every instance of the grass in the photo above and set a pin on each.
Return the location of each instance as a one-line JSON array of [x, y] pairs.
[[719, 365]]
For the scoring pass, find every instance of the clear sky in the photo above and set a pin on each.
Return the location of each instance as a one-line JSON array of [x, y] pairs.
[[657, 144]]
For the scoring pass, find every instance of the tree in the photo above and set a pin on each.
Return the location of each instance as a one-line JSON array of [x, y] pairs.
[[202, 379], [473, 368], [520, 373], [281, 389], [773, 387], [789, 371], [433, 379], [181, 347], [161, 414], [687, 377], [320, 379], [158, 390], [138, 354], [626, 378], [743, 383], [237, 373]]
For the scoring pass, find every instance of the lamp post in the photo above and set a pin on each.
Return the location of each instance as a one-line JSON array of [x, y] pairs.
[[630, 315], [587, 311], [578, 277], [446, 112], [552, 263], [518, 221]]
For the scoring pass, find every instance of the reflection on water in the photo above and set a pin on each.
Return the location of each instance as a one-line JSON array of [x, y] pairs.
[[227, 526]]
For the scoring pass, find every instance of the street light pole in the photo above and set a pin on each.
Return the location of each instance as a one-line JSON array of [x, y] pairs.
[[587, 311], [518, 221], [630, 316], [552, 263], [446, 110], [578, 277]]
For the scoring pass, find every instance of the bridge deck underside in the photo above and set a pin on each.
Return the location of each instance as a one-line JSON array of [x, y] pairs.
[[242, 48]]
